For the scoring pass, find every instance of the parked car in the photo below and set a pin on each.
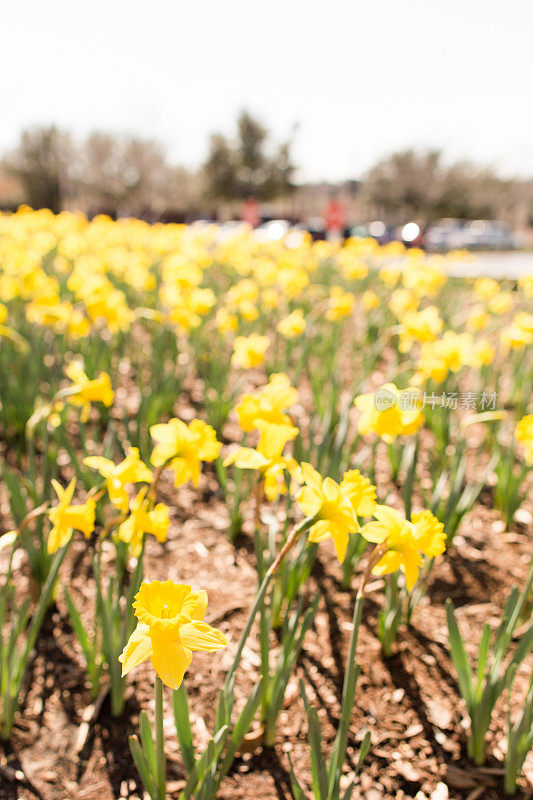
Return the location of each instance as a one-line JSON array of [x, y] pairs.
[[479, 234]]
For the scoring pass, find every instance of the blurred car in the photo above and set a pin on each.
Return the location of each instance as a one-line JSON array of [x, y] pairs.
[[375, 230], [272, 230], [478, 234], [409, 234], [315, 226], [488, 234], [446, 234]]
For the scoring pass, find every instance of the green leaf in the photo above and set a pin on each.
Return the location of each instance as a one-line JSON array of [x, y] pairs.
[[141, 764], [147, 742], [459, 656], [180, 707]]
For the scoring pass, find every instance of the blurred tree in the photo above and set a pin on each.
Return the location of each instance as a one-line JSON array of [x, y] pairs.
[[40, 163], [418, 185], [246, 166], [405, 183], [123, 175]]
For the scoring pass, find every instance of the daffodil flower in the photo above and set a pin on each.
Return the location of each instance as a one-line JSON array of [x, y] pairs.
[[83, 392], [170, 628], [268, 403], [184, 447], [143, 520], [329, 504], [268, 458], [382, 413], [524, 434], [404, 542], [360, 492], [66, 517], [249, 351], [292, 326], [131, 470]]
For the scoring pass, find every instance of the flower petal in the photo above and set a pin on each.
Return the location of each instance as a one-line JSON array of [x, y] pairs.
[[195, 605], [170, 660], [137, 650], [201, 636], [104, 466]]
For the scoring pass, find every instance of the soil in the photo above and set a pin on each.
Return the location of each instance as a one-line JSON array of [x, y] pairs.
[[410, 701]]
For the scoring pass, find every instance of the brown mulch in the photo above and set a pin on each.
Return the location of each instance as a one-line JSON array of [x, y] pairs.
[[409, 702]]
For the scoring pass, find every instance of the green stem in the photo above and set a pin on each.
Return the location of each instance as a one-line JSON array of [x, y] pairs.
[[159, 739], [291, 541]]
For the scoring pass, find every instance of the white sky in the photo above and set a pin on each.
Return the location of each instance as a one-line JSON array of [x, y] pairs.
[[359, 78]]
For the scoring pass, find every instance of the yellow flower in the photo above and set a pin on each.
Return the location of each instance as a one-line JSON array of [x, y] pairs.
[[486, 288], [478, 319], [170, 627], [445, 355], [83, 392], [419, 326], [8, 540], [405, 541], [501, 303], [340, 303], [370, 300], [524, 434], [268, 458], [184, 447], [519, 333], [226, 322], [483, 353], [293, 325], [65, 517], [131, 470], [401, 301], [268, 403], [249, 351], [383, 412], [327, 502], [143, 520], [526, 284], [360, 492]]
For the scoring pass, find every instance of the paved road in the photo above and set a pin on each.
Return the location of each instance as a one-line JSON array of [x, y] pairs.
[[495, 265]]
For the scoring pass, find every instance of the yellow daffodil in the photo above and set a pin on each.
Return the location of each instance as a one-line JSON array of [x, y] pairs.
[[327, 502], [404, 542], [401, 301], [340, 304], [84, 391], [526, 284], [184, 447], [448, 354], [170, 628], [389, 412], [292, 326], [486, 288], [268, 458], [370, 300], [268, 404], [249, 351], [66, 517], [226, 321], [143, 519], [478, 319], [360, 492], [419, 326], [501, 303], [131, 470], [524, 434]]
